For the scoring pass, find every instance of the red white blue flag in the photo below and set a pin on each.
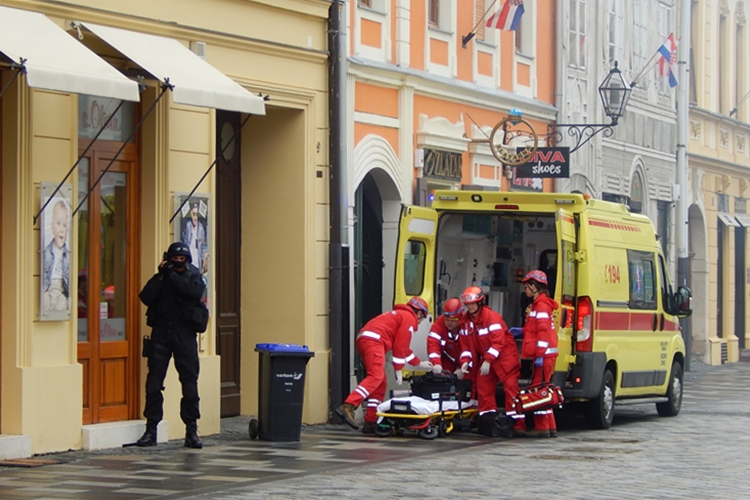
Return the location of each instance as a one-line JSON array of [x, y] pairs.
[[668, 60], [509, 17]]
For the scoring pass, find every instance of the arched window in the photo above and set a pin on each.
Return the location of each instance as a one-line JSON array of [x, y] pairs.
[[636, 193]]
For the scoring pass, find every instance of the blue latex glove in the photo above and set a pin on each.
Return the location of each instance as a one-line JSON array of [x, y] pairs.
[[538, 361]]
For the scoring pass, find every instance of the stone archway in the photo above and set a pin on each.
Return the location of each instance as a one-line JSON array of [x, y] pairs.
[[699, 268]]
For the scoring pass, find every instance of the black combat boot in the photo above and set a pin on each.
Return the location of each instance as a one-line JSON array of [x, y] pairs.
[[149, 437], [191, 436]]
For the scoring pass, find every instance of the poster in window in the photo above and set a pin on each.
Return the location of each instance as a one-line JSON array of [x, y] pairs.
[[192, 227], [54, 230]]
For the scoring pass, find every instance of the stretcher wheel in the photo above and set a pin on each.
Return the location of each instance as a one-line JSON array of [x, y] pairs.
[[430, 432], [443, 428], [383, 430], [252, 428]]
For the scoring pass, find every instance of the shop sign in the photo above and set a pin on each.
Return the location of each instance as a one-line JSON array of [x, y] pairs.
[[525, 183], [442, 165], [547, 163], [93, 113]]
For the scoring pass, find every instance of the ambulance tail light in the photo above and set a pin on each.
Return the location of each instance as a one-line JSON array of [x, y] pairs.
[[585, 326]]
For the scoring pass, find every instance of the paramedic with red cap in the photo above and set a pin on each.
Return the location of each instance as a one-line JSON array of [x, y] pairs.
[[442, 341], [540, 344], [487, 342], [391, 330]]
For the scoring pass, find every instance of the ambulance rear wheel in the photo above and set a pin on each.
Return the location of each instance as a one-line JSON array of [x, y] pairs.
[[674, 394], [600, 411]]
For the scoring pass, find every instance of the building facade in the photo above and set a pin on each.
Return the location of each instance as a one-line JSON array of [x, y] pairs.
[[217, 143], [719, 172]]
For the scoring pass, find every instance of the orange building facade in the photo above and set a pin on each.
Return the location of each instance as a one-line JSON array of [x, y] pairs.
[[421, 106]]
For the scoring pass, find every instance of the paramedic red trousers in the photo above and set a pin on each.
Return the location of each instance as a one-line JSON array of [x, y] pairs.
[[506, 370], [374, 385], [544, 420]]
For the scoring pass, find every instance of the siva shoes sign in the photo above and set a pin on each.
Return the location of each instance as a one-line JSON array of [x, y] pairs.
[[547, 163]]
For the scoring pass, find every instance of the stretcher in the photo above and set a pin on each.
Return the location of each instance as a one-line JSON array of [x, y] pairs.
[[428, 419]]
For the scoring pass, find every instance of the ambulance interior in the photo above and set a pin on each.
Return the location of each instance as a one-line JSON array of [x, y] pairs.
[[494, 252]]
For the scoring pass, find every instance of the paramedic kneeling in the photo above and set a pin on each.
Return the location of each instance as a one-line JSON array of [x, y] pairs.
[[540, 344], [442, 341], [486, 340], [391, 330]]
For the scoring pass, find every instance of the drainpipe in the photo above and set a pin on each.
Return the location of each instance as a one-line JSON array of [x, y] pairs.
[[338, 271]]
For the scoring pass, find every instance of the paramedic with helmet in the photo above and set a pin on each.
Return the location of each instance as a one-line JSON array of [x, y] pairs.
[[487, 342], [442, 341], [540, 343], [391, 330]]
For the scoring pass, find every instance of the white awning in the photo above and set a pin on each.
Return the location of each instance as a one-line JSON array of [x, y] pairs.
[[54, 61], [195, 82], [728, 219], [743, 219]]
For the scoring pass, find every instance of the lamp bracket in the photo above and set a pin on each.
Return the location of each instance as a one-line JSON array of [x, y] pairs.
[[580, 133]]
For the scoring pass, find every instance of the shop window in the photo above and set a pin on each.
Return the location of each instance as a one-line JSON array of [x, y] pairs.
[[641, 280], [414, 265]]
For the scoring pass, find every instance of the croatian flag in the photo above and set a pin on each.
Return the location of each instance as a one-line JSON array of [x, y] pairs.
[[509, 17], [668, 60]]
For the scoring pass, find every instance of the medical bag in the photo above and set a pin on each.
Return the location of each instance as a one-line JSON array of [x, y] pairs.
[[538, 397], [445, 386]]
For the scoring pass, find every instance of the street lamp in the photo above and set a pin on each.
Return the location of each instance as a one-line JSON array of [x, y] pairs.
[[614, 92]]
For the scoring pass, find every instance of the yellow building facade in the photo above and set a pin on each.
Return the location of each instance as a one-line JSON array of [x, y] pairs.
[[719, 173], [217, 129]]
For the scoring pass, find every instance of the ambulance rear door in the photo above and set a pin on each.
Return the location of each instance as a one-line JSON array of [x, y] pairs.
[[415, 265], [567, 289]]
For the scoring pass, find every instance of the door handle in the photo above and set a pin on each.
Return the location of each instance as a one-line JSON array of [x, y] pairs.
[[661, 323]]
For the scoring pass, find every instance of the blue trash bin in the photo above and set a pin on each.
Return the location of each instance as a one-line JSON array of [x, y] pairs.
[[281, 391]]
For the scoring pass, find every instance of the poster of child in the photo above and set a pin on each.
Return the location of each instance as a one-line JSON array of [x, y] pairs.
[[55, 270], [193, 229]]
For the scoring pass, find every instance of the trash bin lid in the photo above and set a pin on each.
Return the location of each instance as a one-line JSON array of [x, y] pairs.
[[281, 347]]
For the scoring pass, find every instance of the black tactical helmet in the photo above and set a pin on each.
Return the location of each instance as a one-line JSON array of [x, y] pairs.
[[179, 248]]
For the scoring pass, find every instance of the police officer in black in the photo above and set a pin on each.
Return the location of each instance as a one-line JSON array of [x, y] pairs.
[[172, 295]]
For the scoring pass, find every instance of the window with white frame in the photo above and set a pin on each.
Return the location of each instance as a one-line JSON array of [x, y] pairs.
[[615, 18], [577, 34], [640, 35], [525, 31], [439, 15], [665, 28]]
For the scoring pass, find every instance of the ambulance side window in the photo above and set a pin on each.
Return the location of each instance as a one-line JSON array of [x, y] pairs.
[[414, 263], [667, 297], [642, 280]]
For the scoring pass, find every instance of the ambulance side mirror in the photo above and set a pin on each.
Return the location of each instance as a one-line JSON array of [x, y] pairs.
[[683, 301]]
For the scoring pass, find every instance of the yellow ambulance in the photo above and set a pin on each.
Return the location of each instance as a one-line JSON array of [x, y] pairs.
[[618, 330]]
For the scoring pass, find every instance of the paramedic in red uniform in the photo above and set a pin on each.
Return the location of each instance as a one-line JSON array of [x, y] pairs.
[[391, 330], [540, 344], [487, 343], [442, 341]]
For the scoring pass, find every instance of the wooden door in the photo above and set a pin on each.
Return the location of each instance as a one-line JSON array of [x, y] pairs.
[[107, 284], [228, 229]]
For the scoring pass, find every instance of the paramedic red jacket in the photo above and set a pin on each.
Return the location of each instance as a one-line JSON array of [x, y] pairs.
[[488, 337], [394, 330], [442, 345], [539, 335]]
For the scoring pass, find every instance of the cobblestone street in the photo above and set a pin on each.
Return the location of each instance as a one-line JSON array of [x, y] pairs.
[[702, 453]]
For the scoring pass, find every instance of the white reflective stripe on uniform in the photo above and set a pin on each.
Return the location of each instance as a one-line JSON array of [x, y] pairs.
[[434, 355], [435, 336], [493, 351], [483, 331], [411, 329], [373, 403], [532, 314], [399, 360], [371, 335], [466, 353], [551, 350], [362, 391], [449, 357], [542, 343], [410, 357], [442, 342], [542, 315], [495, 326]]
